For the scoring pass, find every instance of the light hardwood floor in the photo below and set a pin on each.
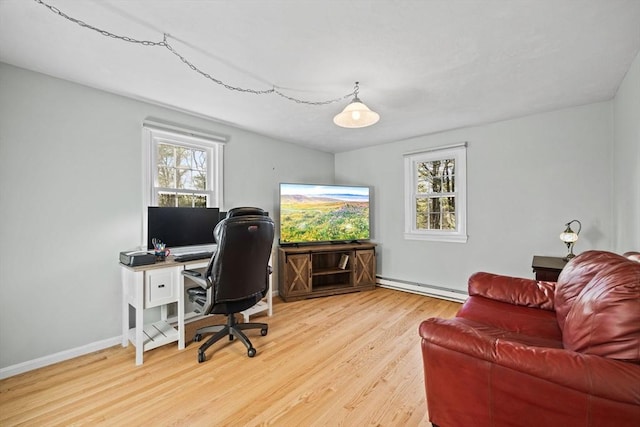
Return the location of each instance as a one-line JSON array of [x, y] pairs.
[[347, 360]]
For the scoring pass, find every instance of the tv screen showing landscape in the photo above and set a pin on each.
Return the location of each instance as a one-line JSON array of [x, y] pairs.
[[323, 213]]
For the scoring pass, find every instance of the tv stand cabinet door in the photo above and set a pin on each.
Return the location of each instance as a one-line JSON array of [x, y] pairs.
[[295, 277], [365, 268]]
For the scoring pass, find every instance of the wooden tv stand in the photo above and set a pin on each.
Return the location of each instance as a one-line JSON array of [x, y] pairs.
[[320, 270]]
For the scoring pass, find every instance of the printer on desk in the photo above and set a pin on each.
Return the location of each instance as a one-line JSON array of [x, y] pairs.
[[137, 258]]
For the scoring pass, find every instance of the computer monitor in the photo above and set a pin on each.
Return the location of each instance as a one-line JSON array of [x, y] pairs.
[[183, 230]]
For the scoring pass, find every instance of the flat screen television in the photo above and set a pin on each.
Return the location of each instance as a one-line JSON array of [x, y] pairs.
[[183, 230], [311, 213]]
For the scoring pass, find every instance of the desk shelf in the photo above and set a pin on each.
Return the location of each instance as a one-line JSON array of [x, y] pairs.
[[155, 335]]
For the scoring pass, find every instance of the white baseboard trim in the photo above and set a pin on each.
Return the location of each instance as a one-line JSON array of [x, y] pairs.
[[422, 289], [40, 362]]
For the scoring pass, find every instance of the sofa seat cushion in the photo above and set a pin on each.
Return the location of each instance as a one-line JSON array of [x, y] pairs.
[[518, 319], [496, 334], [604, 319]]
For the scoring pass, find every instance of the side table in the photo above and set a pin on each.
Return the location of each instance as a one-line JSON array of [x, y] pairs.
[[547, 268]]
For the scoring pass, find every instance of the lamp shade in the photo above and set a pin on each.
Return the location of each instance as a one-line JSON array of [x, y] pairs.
[[568, 236], [356, 115]]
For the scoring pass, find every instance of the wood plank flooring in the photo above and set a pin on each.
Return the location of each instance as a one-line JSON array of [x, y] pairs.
[[347, 360]]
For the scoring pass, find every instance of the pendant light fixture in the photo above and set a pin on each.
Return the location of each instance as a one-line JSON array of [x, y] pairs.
[[356, 114]]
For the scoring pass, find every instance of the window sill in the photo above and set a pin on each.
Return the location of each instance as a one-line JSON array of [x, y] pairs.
[[452, 238]]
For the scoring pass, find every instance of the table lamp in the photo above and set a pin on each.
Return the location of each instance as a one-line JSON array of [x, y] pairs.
[[569, 237]]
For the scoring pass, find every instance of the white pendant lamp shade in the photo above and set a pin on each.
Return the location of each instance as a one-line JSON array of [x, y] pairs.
[[356, 114]]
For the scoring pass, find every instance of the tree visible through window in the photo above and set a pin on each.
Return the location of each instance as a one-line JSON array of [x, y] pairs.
[[183, 168], [181, 176], [435, 195], [435, 198]]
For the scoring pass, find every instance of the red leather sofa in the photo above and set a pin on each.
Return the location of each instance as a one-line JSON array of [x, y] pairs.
[[527, 353]]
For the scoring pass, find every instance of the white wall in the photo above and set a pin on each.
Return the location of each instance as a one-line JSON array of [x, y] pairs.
[[626, 162], [70, 192], [70, 200], [526, 178]]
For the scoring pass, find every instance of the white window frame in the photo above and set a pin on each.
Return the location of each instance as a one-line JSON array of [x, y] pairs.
[[154, 133], [457, 152]]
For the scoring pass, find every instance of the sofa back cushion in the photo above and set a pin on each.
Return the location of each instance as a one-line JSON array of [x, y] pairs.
[[575, 276], [604, 318]]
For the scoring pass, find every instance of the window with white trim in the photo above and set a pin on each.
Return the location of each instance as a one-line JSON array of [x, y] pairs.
[[435, 194], [182, 169]]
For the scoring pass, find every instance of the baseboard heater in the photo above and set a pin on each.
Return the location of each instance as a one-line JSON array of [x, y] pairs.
[[422, 289]]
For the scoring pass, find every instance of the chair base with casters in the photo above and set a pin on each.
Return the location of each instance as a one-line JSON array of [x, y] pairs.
[[232, 329]]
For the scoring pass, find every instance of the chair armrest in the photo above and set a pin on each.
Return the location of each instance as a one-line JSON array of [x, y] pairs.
[[197, 277], [594, 375], [513, 290]]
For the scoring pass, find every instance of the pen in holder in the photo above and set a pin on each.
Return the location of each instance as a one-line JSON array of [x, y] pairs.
[[160, 249]]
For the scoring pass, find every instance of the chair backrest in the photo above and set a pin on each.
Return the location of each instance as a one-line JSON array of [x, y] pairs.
[[235, 212], [239, 269], [244, 211]]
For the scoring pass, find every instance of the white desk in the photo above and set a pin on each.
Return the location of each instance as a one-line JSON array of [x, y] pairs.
[[161, 284]]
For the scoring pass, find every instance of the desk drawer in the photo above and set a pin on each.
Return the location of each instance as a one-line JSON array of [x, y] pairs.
[[160, 287]]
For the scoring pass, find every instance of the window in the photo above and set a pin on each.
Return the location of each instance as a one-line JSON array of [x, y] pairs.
[[184, 168], [435, 194]]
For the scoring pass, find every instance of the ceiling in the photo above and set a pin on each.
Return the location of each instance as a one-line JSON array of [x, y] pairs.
[[424, 66]]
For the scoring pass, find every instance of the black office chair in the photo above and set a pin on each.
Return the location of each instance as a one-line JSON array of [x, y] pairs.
[[237, 276]]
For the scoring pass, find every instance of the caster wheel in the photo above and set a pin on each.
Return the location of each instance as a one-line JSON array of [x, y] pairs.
[[263, 332], [197, 338], [231, 337], [201, 357], [251, 352]]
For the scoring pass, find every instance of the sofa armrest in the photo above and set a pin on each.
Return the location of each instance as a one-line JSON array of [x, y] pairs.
[[594, 375], [513, 290]]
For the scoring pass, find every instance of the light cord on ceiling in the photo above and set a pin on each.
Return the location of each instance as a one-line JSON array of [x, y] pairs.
[[188, 63]]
